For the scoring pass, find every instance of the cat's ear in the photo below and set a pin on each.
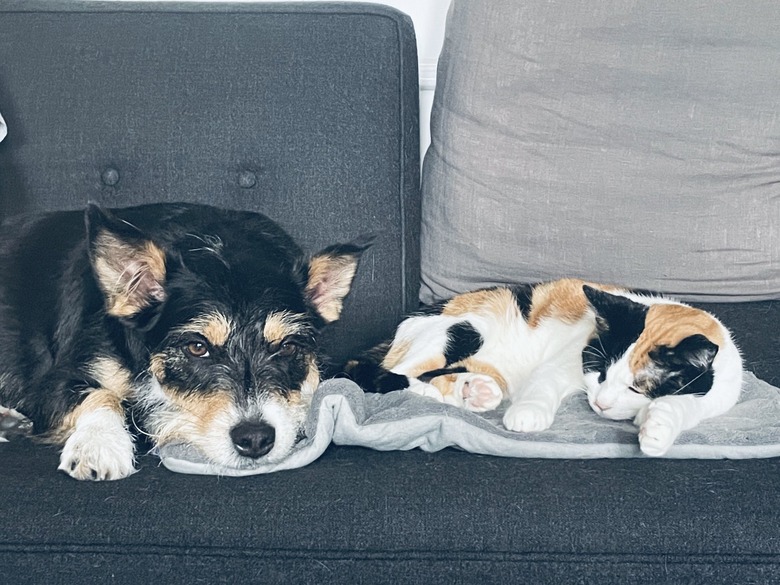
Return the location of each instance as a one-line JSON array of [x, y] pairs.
[[129, 268], [694, 349], [611, 306]]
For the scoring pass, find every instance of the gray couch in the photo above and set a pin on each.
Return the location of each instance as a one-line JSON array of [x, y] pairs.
[[308, 113]]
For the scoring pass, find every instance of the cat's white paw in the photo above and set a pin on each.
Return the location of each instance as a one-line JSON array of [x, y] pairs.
[[659, 426], [99, 449], [480, 393], [427, 390], [528, 417]]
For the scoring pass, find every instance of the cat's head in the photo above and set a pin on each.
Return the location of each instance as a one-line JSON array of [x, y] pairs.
[[644, 351]]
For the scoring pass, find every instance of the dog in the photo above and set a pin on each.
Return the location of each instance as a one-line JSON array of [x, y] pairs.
[[189, 323]]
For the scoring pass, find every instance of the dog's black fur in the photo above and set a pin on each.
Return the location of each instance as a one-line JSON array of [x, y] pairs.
[[204, 320]]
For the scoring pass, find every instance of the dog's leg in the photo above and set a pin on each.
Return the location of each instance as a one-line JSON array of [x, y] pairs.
[[98, 445]]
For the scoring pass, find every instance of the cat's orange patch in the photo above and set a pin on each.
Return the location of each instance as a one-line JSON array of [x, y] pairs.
[[561, 299], [435, 363], [445, 384], [669, 324], [479, 367], [396, 353], [496, 301]]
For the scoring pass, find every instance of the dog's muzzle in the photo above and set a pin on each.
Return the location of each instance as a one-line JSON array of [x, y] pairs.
[[253, 439]]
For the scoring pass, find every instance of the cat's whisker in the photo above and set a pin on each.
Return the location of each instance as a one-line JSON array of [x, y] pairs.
[[604, 351], [684, 386], [590, 350]]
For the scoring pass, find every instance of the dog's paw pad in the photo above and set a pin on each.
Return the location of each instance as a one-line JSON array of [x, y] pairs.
[[480, 393], [528, 417], [98, 451]]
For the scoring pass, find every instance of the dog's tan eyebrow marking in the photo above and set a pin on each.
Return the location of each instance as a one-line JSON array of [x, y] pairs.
[[281, 324], [216, 327]]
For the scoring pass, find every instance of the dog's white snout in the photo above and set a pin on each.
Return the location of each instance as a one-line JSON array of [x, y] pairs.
[[253, 439]]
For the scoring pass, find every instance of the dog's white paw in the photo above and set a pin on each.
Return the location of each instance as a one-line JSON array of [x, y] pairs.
[[528, 417], [480, 393], [659, 426], [428, 390], [13, 423], [99, 449]]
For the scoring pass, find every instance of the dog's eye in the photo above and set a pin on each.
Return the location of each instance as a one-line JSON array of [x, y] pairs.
[[197, 349], [287, 349]]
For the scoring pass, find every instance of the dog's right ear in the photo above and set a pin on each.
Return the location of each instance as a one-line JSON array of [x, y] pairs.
[[128, 266]]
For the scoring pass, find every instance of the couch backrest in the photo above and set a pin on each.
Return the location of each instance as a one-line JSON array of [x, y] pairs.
[[307, 113]]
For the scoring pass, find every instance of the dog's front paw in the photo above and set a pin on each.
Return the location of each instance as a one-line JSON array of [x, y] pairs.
[[480, 393], [528, 417], [659, 426], [99, 449]]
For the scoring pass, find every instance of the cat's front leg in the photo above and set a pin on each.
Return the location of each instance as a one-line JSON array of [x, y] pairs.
[[424, 389], [474, 392], [535, 404], [662, 421]]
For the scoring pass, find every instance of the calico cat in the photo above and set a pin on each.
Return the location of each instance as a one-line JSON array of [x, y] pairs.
[[663, 363]]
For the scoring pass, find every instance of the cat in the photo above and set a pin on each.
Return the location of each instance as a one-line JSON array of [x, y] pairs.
[[660, 362]]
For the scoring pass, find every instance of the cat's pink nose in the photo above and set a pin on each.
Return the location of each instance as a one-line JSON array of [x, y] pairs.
[[602, 405]]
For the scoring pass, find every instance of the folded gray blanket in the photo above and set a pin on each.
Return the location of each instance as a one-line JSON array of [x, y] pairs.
[[343, 414]]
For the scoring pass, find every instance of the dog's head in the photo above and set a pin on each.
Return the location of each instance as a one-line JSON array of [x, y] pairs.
[[227, 310]]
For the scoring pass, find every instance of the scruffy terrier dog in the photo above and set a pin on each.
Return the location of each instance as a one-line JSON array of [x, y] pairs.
[[202, 321]]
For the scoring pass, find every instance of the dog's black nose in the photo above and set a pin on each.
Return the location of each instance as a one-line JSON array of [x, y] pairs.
[[253, 438]]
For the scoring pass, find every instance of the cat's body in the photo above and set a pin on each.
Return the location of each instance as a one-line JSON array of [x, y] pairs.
[[663, 363]]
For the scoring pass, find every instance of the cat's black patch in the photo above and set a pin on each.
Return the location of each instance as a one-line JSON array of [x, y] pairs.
[[428, 376], [523, 295], [372, 377], [685, 368], [389, 382], [463, 340], [620, 323]]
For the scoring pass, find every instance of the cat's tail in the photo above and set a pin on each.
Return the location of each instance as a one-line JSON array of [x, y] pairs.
[[368, 372]]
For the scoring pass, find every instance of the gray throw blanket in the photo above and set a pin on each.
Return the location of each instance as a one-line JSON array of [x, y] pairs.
[[342, 414]]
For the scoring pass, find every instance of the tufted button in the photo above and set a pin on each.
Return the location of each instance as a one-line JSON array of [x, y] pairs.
[[110, 177], [247, 179]]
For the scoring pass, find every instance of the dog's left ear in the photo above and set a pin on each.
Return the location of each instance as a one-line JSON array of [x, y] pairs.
[[128, 266], [331, 272]]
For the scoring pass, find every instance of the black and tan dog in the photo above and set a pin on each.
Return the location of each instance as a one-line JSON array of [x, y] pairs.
[[202, 321]]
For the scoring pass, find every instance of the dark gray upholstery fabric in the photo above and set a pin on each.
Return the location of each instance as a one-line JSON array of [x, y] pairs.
[[360, 516], [306, 113], [318, 102]]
